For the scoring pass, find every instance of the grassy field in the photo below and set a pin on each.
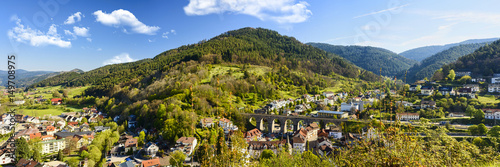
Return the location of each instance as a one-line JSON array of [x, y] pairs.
[[42, 112], [488, 99]]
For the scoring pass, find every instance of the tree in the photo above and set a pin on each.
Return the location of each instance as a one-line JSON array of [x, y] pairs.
[[451, 75], [142, 137], [478, 114], [22, 149], [221, 142], [482, 129], [494, 131], [177, 158], [60, 155], [473, 130], [267, 154], [84, 120]]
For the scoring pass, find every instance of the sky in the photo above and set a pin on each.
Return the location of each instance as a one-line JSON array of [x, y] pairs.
[[61, 35]]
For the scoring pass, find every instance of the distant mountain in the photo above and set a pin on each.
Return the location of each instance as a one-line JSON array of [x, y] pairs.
[[26, 78], [423, 52], [484, 61], [20, 75], [429, 65], [370, 58]]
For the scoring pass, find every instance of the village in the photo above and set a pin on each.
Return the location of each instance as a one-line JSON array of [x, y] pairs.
[[71, 133]]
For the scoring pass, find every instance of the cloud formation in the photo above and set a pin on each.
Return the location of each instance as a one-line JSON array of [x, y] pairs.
[[25, 34], [121, 58], [165, 34], [124, 18], [281, 11], [74, 18], [81, 31]]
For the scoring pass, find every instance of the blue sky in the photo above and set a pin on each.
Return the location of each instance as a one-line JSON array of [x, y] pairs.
[[60, 35]]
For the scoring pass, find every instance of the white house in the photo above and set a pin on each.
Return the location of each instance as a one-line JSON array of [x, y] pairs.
[[207, 122], [151, 149], [495, 80], [494, 88], [328, 94], [414, 88], [6, 156], [426, 90], [407, 116], [462, 73], [299, 143], [348, 107], [53, 146], [473, 87], [491, 113], [186, 145]]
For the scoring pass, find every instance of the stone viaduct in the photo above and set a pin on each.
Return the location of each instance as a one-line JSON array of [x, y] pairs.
[[259, 118]]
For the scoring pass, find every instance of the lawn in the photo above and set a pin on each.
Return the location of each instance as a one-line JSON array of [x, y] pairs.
[[488, 99], [42, 112]]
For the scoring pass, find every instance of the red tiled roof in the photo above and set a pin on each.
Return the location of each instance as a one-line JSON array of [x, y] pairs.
[[151, 162], [56, 100], [50, 128]]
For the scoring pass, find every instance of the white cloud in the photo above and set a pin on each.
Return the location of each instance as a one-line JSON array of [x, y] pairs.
[[165, 34], [81, 31], [381, 11], [149, 40], [71, 19], [120, 17], [121, 58], [89, 39], [35, 37], [99, 49], [281, 11]]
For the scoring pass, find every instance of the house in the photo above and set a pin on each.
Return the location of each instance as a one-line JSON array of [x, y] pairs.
[[310, 133], [462, 73], [494, 88], [101, 128], [446, 90], [495, 80], [404, 104], [207, 122], [186, 145], [151, 149], [324, 146], [467, 92], [6, 156], [299, 143], [369, 133], [52, 145], [252, 135], [56, 101], [414, 88], [151, 163], [456, 114], [348, 107], [28, 163], [427, 104], [330, 100], [426, 90], [255, 148], [335, 133], [50, 130], [130, 145], [474, 87], [19, 102], [227, 125], [419, 82], [407, 116], [332, 114], [491, 113], [328, 94]]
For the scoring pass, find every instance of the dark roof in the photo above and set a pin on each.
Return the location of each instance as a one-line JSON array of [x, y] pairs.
[[445, 88], [67, 134], [27, 163], [465, 90], [428, 102], [426, 87], [127, 164]]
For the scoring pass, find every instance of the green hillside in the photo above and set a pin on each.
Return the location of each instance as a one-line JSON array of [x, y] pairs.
[[421, 53], [484, 61], [429, 65], [370, 58]]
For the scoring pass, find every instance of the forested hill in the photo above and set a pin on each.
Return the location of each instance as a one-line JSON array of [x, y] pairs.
[[484, 61], [429, 65], [370, 58], [21, 75], [254, 46], [427, 51]]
